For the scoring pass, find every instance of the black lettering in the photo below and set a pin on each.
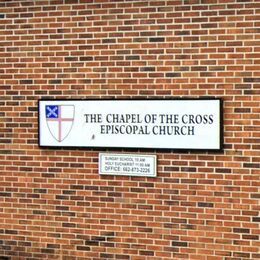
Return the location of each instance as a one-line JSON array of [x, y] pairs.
[[191, 130], [93, 118], [177, 130], [185, 119], [211, 119]]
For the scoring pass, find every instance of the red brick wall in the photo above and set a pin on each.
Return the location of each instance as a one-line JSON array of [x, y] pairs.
[[202, 205]]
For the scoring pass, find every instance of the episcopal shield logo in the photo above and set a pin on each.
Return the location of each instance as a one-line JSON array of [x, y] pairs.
[[60, 120]]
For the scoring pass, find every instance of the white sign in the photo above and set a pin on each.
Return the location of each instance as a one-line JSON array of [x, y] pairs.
[[164, 124], [127, 164]]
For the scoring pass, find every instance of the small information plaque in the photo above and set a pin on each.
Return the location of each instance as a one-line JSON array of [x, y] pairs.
[[127, 164]]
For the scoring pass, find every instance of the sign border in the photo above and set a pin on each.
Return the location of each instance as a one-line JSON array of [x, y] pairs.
[[221, 134]]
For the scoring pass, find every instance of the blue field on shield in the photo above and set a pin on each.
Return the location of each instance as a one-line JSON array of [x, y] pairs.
[[52, 111]]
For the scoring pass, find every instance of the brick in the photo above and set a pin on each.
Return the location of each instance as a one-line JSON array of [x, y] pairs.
[[179, 244], [202, 205]]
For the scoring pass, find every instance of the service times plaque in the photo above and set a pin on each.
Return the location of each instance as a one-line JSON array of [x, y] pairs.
[[127, 164]]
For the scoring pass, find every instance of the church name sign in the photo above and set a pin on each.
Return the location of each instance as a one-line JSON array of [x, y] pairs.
[[158, 124]]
